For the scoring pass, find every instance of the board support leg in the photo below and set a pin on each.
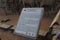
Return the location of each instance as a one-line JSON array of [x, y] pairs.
[[30, 39]]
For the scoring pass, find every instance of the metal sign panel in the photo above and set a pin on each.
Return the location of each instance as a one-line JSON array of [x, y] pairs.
[[29, 20]]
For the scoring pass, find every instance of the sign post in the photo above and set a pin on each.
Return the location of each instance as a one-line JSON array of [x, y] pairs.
[[29, 21]]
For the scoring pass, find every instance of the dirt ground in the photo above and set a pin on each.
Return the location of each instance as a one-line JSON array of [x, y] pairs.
[[7, 35]]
